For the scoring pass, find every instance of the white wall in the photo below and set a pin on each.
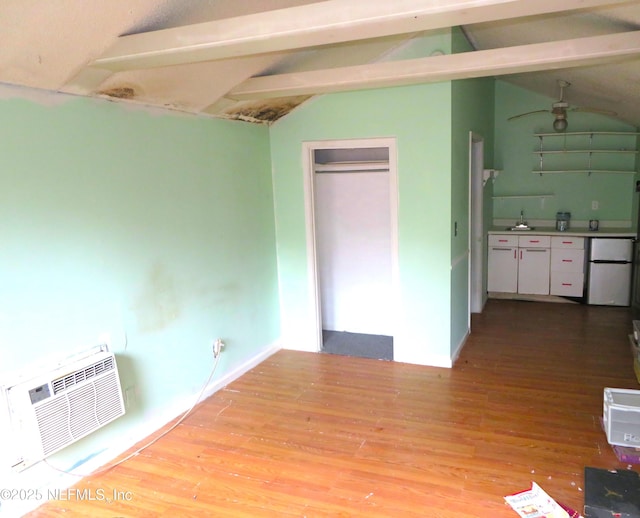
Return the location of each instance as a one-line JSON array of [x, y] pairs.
[[353, 233]]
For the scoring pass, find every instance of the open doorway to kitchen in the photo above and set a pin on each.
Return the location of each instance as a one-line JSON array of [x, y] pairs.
[[351, 191], [477, 292]]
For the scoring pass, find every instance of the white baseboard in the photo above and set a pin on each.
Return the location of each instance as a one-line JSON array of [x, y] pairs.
[[252, 362]]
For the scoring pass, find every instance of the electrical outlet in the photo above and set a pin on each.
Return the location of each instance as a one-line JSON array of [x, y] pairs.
[[594, 205], [217, 347], [105, 338]]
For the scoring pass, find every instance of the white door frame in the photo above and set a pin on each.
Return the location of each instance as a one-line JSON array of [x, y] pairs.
[[308, 149], [476, 223]]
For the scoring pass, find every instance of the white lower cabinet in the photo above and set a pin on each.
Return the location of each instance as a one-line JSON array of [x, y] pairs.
[[502, 266], [534, 255], [518, 264], [536, 265], [533, 271]]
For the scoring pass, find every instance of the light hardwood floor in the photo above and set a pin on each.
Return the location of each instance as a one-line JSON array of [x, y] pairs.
[[324, 435]]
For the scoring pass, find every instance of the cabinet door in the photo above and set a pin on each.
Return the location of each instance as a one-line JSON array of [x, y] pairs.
[[533, 271], [502, 274]]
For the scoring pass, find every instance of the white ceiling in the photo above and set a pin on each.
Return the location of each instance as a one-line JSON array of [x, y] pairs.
[[258, 59]]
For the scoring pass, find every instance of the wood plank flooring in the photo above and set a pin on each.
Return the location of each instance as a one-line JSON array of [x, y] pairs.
[[324, 435]]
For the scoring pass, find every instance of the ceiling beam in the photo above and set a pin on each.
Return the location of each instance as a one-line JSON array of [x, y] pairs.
[[508, 60], [319, 23]]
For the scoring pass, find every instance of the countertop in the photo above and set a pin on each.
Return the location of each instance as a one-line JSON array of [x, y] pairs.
[[551, 231]]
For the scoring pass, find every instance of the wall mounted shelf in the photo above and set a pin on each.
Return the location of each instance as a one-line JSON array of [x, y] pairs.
[[598, 147], [582, 171], [586, 133], [581, 151], [522, 196]]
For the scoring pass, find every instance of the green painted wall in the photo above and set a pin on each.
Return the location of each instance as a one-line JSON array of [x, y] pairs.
[[574, 192], [418, 117], [472, 110], [431, 124], [152, 227]]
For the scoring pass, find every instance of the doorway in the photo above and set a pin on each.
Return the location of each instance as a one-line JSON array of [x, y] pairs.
[[351, 197], [476, 224]]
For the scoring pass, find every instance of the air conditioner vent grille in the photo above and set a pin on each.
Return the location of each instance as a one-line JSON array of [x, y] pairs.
[[84, 374], [78, 412]]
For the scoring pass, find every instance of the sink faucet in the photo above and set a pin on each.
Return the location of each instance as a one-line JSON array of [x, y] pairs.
[[522, 217]]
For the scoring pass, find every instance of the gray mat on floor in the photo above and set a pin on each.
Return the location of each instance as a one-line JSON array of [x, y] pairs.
[[358, 344]]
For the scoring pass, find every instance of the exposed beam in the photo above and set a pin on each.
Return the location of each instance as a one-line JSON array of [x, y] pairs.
[[508, 60], [320, 23]]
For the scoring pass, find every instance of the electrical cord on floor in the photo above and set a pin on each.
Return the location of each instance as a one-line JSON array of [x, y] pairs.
[[154, 440]]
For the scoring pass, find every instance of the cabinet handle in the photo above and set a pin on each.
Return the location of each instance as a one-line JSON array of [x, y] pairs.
[[567, 284], [567, 242], [534, 241], [540, 250], [567, 260], [503, 240]]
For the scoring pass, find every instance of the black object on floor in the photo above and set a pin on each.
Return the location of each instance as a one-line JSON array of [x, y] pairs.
[[357, 344], [610, 493]]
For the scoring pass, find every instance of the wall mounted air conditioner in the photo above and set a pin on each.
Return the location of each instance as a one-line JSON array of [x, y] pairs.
[[61, 403]]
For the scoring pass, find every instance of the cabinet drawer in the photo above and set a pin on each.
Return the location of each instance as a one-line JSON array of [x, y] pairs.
[[567, 242], [567, 260], [568, 284], [534, 241], [503, 240]]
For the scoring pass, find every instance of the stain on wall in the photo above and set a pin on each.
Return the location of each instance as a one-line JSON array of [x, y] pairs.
[[266, 111], [120, 92], [158, 304]]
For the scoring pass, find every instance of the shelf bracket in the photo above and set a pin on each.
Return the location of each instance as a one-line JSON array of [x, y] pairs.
[[489, 173], [541, 155]]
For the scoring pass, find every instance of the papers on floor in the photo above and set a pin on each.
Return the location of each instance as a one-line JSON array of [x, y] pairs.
[[535, 503]]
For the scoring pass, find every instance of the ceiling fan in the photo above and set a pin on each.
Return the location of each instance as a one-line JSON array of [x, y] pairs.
[[560, 108]]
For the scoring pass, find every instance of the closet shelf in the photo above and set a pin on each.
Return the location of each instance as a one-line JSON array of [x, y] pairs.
[[366, 166]]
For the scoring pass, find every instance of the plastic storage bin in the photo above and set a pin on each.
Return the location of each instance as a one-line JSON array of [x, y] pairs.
[[621, 416]]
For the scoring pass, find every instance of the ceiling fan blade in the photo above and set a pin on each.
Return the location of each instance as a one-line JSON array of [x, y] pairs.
[[528, 113], [594, 110]]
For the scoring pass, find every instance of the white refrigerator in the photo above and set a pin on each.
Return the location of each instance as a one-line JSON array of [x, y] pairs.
[[610, 267]]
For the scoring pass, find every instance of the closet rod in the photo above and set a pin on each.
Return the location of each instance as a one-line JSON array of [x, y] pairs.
[[353, 167]]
